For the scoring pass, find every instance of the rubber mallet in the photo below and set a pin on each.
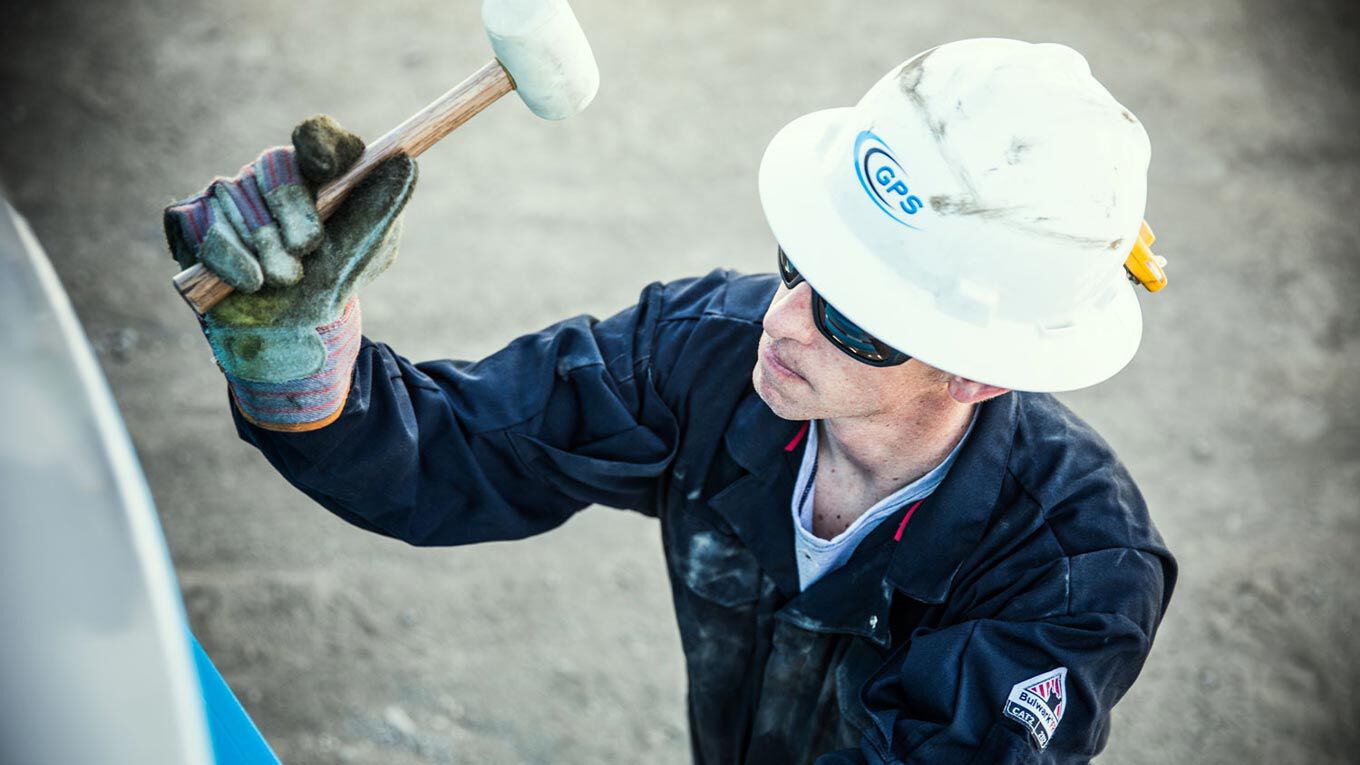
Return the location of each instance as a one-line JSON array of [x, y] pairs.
[[541, 53]]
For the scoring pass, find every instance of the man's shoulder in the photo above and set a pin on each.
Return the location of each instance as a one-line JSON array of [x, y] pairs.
[[1085, 493], [721, 294], [1055, 448], [1079, 515], [707, 328]]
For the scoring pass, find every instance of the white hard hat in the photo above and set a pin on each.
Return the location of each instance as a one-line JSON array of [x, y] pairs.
[[973, 210]]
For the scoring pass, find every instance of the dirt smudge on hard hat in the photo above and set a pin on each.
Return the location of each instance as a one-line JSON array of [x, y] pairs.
[[948, 204], [969, 201], [1116, 244], [909, 81], [970, 205], [1128, 115], [909, 76]]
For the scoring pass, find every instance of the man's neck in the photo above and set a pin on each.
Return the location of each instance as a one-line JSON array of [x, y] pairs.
[[862, 460]]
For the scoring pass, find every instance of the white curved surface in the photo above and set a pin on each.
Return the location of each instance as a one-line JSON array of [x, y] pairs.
[[94, 660], [541, 44]]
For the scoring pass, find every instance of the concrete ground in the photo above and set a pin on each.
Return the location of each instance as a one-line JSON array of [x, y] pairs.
[[1239, 417]]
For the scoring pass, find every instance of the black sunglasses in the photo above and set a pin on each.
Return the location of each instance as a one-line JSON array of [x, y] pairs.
[[843, 333]]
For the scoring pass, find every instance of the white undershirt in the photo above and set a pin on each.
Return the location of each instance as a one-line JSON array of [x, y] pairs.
[[818, 557]]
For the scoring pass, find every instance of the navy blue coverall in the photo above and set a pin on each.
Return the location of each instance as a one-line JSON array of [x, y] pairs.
[[1000, 625]]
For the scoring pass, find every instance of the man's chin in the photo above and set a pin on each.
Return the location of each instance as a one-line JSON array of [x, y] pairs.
[[774, 398]]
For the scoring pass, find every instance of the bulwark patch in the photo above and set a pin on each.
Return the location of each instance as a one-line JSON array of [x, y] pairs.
[[1038, 703]]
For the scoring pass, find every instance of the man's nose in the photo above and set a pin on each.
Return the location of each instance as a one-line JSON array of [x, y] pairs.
[[790, 315]]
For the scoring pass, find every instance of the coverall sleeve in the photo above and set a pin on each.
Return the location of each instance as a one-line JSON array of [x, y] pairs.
[[455, 452], [943, 697]]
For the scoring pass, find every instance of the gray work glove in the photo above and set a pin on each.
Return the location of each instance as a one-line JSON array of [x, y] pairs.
[[287, 338]]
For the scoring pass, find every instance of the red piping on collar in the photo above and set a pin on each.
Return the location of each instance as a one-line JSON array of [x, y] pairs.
[[898, 536], [798, 437]]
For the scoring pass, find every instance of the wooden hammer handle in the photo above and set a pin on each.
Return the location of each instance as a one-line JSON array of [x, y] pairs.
[[201, 288]]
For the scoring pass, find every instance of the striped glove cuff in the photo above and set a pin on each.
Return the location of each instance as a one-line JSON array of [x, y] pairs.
[[311, 402]]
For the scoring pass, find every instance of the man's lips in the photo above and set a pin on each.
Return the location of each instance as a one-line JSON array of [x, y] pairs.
[[775, 363]]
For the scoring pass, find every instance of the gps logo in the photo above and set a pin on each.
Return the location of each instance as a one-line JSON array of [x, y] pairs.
[[884, 179]]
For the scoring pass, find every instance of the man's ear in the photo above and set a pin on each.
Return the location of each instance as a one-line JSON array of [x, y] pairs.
[[969, 392]]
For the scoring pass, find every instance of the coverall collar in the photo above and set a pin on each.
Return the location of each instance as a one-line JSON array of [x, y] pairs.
[[949, 524], [756, 505], [942, 532], [760, 440]]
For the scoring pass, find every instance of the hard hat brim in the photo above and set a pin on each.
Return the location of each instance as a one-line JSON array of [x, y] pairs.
[[803, 214]]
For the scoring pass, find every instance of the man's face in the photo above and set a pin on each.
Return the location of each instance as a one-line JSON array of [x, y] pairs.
[[802, 376]]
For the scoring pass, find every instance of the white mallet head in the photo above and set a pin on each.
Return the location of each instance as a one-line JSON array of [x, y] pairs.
[[541, 45]]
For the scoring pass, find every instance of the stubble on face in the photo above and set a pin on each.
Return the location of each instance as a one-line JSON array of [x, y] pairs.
[[826, 384], [776, 388]]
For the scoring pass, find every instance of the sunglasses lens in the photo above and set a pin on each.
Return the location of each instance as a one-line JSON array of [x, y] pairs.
[[848, 335], [839, 330], [786, 270]]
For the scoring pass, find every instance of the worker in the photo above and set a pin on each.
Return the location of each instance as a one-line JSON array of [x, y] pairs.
[[886, 540]]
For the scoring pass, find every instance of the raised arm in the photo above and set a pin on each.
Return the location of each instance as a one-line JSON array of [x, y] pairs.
[[439, 453], [453, 452]]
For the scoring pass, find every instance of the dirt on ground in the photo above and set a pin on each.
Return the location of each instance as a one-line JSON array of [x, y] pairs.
[[1239, 417]]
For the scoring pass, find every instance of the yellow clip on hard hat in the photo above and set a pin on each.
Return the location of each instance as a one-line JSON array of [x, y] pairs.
[[1144, 267]]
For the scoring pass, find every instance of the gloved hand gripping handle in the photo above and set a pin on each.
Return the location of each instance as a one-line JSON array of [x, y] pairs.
[[202, 289]]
